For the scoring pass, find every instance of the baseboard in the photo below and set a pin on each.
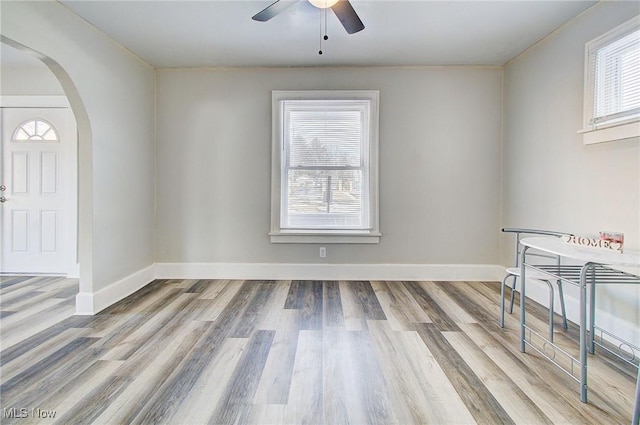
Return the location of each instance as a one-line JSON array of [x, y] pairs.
[[88, 303], [92, 303], [288, 271]]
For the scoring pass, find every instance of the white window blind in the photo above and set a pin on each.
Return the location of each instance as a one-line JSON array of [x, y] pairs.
[[614, 63], [325, 165]]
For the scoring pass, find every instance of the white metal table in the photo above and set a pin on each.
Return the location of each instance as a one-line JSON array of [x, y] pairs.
[[596, 268]]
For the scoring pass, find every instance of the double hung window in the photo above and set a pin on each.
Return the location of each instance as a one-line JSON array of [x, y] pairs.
[[612, 84], [324, 168]]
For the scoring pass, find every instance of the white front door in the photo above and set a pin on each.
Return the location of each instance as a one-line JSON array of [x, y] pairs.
[[35, 194]]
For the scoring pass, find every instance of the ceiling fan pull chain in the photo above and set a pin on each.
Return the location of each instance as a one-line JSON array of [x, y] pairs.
[[325, 19], [326, 37]]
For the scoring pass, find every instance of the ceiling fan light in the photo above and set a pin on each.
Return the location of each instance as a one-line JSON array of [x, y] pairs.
[[323, 4]]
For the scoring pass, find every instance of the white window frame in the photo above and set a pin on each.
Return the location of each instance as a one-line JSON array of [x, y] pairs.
[[283, 235], [613, 129]]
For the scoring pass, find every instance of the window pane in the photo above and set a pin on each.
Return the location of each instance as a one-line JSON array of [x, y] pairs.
[[325, 199], [35, 130], [630, 79], [30, 127], [325, 138], [41, 128], [21, 135], [50, 135], [617, 76]]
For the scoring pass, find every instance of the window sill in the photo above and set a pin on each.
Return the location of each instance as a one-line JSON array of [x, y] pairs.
[[325, 237], [613, 133]]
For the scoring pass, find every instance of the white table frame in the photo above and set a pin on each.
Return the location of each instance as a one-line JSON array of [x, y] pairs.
[[594, 270]]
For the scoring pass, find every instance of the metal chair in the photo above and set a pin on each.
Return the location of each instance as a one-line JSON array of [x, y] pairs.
[[513, 273]]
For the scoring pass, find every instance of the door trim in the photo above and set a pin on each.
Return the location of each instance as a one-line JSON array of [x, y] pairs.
[[29, 101]]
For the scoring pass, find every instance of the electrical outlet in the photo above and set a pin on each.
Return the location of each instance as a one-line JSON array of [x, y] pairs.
[[323, 252]]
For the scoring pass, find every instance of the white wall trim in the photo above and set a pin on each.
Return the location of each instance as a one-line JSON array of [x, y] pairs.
[[88, 303], [611, 134], [286, 271]]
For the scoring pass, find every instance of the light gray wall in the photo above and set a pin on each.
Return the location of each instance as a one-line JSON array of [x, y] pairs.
[[551, 179], [112, 94], [29, 81], [440, 133]]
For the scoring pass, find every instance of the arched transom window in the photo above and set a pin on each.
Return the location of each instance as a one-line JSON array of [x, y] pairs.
[[35, 130]]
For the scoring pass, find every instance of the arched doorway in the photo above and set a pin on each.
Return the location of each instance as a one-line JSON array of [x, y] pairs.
[[31, 82]]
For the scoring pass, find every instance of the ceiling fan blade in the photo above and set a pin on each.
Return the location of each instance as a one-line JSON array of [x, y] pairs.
[[272, 10], [348, 16]]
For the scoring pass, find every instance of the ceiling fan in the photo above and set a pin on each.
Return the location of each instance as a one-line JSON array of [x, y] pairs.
[[342, 8]]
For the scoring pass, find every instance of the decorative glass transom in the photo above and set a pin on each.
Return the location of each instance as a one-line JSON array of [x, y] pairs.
[[35, 130]]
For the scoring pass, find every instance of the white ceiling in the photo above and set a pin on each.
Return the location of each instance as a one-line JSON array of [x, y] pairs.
[[398, 32]]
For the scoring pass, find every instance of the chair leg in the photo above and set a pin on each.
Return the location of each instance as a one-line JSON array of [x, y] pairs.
[[513, 294], [562, 307], [503, 285]]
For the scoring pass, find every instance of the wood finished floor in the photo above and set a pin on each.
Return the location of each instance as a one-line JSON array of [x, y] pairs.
[[294, 352]]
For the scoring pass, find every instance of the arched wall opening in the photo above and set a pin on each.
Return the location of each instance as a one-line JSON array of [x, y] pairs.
[[84, 163], [112, 94]]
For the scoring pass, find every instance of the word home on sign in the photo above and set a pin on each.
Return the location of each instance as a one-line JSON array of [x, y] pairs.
[[592, 242]]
